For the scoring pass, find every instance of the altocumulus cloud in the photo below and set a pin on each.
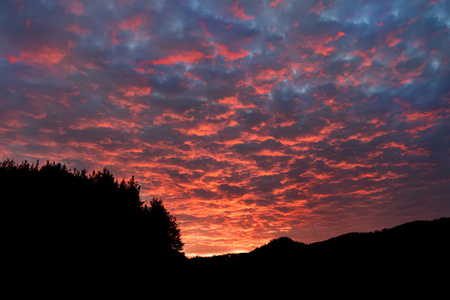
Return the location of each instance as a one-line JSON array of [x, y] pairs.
[[251, 119]]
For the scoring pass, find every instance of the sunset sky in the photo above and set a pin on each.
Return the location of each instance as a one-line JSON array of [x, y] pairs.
[[251, 119]]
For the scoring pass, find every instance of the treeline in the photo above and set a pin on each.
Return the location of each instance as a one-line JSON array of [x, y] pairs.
[[62, 227]]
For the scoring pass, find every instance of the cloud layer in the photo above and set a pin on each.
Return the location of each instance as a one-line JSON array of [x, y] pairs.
[[251, 119]]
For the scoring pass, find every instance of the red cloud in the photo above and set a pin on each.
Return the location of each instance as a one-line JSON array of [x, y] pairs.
[[317, 9], [319, 44], [275, 3], [392, 38], [133, 91], [368, 56], [133, 23], [239, 12], [78, 30], [184, 56], [230, 55], [45, 56]]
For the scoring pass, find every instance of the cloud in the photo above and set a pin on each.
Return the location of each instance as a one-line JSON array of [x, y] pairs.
[[251, 119]]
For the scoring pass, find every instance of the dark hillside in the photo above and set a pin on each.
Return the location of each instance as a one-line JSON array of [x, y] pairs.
[[410, 258], [281, 246]]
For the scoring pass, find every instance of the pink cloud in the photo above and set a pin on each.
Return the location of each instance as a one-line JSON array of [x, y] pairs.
[[239, 12], [74, 7], [192, 56], [44, 56]]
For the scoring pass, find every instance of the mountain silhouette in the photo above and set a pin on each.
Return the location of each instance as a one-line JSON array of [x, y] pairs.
[[409, 259]]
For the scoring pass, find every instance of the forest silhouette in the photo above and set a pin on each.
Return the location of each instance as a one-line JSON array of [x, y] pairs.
[[70, 234], [64, 229]]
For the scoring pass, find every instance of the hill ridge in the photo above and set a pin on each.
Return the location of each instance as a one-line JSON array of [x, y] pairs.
[[404, 260], [405, 229]]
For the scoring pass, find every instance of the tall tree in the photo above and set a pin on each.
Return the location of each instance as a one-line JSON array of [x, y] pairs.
[[164, 227]]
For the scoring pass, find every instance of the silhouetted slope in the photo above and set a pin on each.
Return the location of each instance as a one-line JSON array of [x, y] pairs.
[[418, 237], [280, 246], [410, 258]]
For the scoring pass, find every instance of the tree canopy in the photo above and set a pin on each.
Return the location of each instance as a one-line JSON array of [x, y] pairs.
[[61, 222]]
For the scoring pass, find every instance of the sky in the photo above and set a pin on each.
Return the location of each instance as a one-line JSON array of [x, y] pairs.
[[252, 120]]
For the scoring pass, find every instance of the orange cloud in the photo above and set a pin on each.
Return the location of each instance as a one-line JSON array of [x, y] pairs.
[[416, 152], [133, 91], [233, 102]]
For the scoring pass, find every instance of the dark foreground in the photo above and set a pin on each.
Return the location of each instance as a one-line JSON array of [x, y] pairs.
[[71, 235], [409, 260]]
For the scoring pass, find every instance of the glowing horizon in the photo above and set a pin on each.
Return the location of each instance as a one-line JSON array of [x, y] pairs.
[[252, 120]]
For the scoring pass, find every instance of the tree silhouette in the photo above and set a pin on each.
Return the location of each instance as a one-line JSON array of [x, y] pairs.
[[69, 227], [164, 227]]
